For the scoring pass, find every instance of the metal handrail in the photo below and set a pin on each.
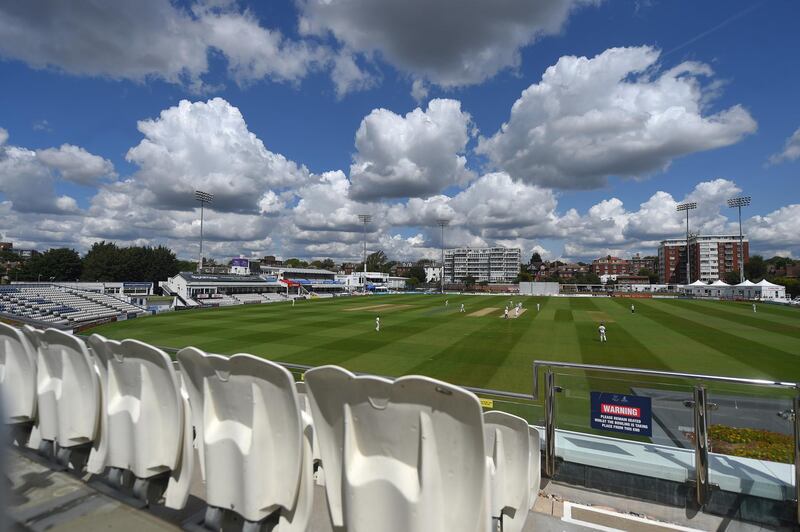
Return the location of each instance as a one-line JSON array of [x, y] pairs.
[[699, 404], [654, 373]]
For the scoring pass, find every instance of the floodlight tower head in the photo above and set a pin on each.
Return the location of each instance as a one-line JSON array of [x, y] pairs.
[[743, 201], [203, 197], [687, 206]]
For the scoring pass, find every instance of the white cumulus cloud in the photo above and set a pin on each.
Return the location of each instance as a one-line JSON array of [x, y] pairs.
[[791, 150], [613, 114], [419, 154]]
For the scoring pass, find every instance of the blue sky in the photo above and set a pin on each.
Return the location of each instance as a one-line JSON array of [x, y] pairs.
[[300, 115]]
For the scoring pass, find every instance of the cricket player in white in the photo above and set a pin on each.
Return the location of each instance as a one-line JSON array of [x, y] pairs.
[[446, 302], [377, 323], [292, 301], [754, 307], [505, 314], [516, 311], [633, 309], [602, 330], [537, 307], [462, 307]]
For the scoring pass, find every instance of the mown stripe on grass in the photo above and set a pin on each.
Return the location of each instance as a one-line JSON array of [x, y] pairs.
[[563, 315], [746, 351], [752, 320], [462, 363]]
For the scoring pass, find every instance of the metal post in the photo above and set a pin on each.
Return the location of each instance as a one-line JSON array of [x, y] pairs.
[[701, 445], [687, 207], [200, 260], [442, 222], [441, 275], [740, 202], [741, 248], [688, 260], [549, 424], [796, 407]]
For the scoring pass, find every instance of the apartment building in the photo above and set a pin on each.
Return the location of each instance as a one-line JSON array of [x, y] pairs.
[[672, 261], [495, 265], [711, 257]]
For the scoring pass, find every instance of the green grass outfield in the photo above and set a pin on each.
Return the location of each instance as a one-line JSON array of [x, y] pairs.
[[420, 336]]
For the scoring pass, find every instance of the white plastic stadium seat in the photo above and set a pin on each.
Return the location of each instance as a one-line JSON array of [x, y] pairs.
[[253, 441], [17, 375], [68, 390], [509, 446], [145, 425], [400, 456]]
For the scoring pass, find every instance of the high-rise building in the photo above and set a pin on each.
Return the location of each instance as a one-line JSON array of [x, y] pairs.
[[495, 265], [711, 257], [672, 261]]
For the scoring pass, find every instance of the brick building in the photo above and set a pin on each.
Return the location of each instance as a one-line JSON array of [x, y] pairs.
[[616, 266], [711, 256], [672, 261]]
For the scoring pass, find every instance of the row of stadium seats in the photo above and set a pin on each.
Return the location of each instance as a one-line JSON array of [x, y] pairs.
[[412, 454], [55, 306]]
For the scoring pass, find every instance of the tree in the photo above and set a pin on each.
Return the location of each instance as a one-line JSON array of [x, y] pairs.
[[412, 282], [792, 285], [102, 262], [185, 265], [417, 272], [524, 277], [61, 264], [731, 277], [535, 258], [378, 262], [755, 269], [295, 263], [469, 281], [650, 274]]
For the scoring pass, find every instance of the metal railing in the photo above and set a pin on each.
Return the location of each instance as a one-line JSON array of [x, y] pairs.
[[700, 406]]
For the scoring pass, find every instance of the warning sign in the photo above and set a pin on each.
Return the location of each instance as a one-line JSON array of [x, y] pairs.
[[615, 412], [487, 403]]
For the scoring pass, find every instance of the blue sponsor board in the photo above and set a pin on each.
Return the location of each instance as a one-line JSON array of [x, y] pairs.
[[243, 263], [616, 412]]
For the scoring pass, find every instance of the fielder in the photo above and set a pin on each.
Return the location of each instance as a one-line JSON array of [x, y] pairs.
[[602, 330], [446, 302], [754, 308], [505, 314], [516, 311], [292, 301], [537, 307], [377, 324], [462, 307], [633, 309]]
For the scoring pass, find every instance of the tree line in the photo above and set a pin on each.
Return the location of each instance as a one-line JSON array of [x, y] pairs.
[[104, 262]]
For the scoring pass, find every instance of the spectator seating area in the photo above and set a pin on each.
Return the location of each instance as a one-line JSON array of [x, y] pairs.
[[414, 454], [61, 307]]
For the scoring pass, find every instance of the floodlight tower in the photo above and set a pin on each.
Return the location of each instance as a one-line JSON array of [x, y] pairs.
[[442, 223], [365, 219], [740, 202], [203, 198], [687, 207]]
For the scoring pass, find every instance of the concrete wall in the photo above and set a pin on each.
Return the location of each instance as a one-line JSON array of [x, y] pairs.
[[538, 289]]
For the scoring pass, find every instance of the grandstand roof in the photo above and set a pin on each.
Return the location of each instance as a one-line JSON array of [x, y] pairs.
[[302, 270], [217, 278]]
